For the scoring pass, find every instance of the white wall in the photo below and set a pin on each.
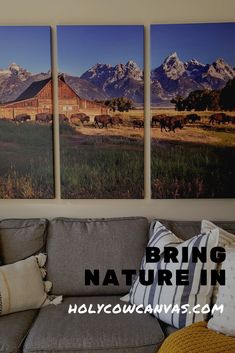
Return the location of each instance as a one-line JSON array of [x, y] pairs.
[[52, 12]]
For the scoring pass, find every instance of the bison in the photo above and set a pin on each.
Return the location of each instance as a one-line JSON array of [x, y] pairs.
[[43, 118], [156, 119], [63, 118], [219, 118], [116, 120], [172, 123], [21, 118], [192, 118], [177, 123], [138, 123], [102, 120], [79, 118]]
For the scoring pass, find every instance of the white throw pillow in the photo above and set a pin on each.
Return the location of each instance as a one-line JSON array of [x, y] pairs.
[[225, 239], [224, 322], [22, 286], [125, 298], [191, 294]]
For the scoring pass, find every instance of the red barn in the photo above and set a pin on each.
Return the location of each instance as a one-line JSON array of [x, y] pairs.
[[37, 98]]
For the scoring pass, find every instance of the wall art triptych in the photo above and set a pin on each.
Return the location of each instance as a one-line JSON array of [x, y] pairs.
[[101, 111]]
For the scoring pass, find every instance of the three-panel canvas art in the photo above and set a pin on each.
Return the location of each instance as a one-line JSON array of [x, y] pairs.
[[101, 111]]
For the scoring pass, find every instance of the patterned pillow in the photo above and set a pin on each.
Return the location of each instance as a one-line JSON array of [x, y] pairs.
[[224, 322], [22, 286], [191, 294]]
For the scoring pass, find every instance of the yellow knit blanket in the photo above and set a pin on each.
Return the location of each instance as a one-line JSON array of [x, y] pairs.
[[197, 338]]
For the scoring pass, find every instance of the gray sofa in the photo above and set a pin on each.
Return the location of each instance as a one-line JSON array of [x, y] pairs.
[[74, 245]]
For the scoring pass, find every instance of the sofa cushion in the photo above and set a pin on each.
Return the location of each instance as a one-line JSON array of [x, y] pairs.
[[13, 330], [187, 229], [77, 244], [167, 329], [182, 229], [21, 238], [57, 331]]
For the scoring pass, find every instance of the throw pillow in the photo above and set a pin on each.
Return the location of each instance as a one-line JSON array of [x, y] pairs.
[[192, 294], [225, 239], [22, 286], [224, 322], [197, 338]]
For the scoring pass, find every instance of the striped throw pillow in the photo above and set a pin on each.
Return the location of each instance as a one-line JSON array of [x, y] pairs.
[[192, 294]]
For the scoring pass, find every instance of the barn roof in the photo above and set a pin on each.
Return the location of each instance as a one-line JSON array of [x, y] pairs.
[[33, 89]]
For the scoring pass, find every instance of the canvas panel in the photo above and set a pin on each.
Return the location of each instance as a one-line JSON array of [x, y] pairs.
[[26, 148], [101, 107], [192, 111]]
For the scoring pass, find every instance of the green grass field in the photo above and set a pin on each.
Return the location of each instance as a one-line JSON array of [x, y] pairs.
[[195, 162], [26, 161], [186, 170], [101, 166]]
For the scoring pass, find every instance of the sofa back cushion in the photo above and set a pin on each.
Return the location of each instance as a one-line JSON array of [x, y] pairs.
[[21, 238], [77, 244], [188, 229], [182, 229]]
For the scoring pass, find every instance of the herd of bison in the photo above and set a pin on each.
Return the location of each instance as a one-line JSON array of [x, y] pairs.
[[100, 121], [165, 122], [171, 123]]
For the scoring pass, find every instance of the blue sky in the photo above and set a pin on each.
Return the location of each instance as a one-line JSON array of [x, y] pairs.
[[81, 47], [204, 42], [28, 46]]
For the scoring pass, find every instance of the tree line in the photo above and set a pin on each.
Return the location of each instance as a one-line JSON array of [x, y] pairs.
[[206, 99], [120, 104]]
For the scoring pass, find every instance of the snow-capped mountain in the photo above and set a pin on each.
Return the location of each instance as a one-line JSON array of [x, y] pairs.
[[15, 79], [124, 80], [175, 77], [15, 70]]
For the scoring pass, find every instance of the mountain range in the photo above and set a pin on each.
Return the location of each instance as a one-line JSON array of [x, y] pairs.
[[175, 77], [100, 82], [103, 81]]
